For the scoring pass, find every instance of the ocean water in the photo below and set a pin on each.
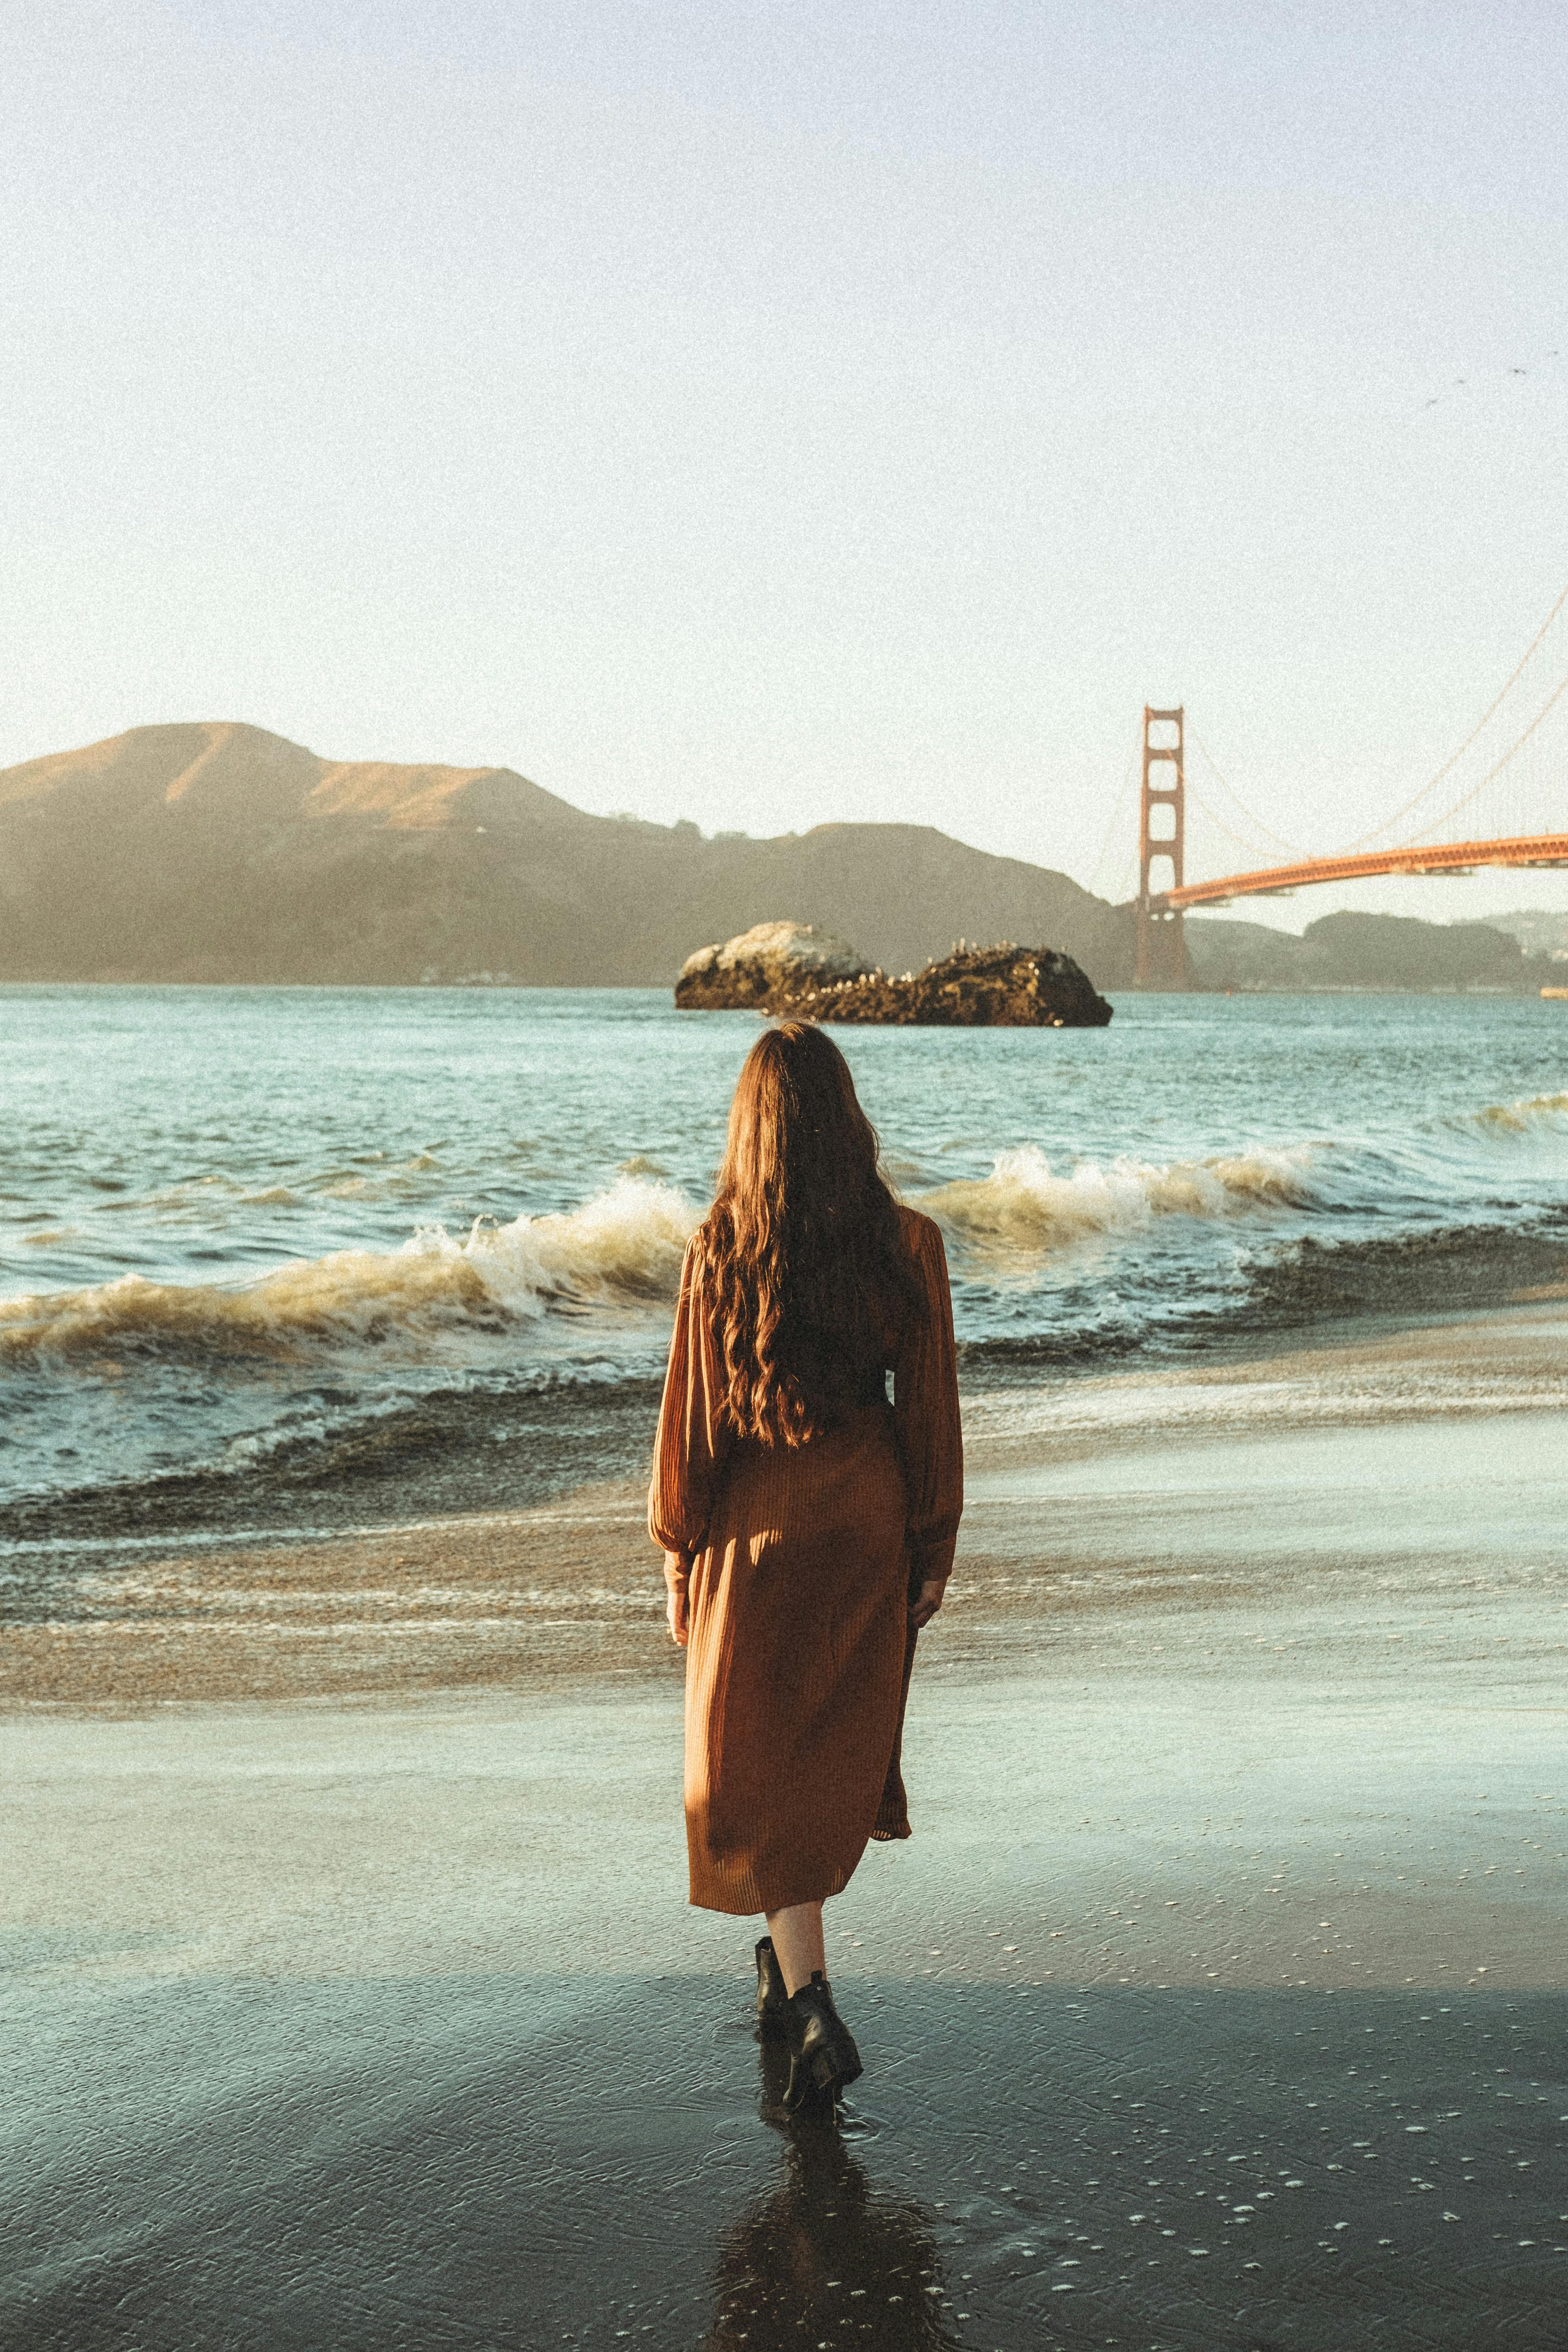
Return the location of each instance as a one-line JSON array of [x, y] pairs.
[[243, 1228]]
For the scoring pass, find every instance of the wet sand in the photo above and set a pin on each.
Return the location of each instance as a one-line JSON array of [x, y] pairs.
[[1431, 1446], [1219, 2000]]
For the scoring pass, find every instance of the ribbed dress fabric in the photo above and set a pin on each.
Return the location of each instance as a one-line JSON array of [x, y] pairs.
[[802, 1560]]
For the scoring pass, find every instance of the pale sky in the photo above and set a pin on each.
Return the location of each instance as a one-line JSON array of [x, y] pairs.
[[764, 413]]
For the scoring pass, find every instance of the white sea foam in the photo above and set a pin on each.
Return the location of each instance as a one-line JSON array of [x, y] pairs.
[[1544, 1115], [1026, 1204], [1349, 1392], [624, 1247]]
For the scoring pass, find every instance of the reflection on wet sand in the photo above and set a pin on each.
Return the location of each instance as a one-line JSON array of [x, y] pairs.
[[823, 2254], [1218, 2001]]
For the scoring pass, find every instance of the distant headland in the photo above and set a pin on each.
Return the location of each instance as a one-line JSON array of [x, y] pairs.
[[221, 852], [216, 852]]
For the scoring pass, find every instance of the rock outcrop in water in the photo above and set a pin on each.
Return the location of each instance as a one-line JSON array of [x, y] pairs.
[[771, 965], [788, 967], [1003, 987]]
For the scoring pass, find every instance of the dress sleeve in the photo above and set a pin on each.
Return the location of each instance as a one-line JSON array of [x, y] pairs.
[[925, 1410], [693, 1437]]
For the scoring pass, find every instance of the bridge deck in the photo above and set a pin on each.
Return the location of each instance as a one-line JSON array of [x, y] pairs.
[[1446, 857]]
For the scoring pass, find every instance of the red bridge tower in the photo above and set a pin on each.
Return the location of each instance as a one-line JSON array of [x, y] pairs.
[[1161, 822]]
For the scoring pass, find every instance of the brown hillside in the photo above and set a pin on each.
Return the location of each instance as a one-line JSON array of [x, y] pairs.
[[221, 852]]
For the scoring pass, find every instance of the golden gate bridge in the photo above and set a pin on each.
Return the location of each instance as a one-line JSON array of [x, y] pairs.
[[1501, 798]]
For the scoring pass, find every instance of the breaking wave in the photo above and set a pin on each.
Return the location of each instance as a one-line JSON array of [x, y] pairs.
[[1026, 1204], [613, 1264], [624, 1248], [1539, 1114]]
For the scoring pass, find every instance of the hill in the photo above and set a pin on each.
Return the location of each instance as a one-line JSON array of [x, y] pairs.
[[220, 853], [1539, 930], [1356, 951]]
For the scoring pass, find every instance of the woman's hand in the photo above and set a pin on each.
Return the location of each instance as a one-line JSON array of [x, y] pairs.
[[927, 1602], [676, 1572]]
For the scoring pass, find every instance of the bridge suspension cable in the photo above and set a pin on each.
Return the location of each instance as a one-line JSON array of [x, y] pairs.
[[1113, 830], [1215, 819], [1522, 822], [1514, 814], [1497, 765], [1516, 819], [1258, 827], [1452, 761]]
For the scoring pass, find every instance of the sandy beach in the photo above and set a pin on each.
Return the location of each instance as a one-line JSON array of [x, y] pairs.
[[1219, 2000], [725, 724]]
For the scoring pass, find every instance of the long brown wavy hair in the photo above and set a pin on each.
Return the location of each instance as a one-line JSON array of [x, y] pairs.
[[805, 1258]]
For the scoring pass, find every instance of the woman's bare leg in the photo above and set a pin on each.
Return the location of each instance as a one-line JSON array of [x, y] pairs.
[[797, 1943]]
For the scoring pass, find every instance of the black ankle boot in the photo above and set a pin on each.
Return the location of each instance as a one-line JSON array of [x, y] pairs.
[[823, 2057], [772, 2000]]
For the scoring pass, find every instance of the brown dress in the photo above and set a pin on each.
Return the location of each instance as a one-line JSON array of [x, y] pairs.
[[802, 1559]]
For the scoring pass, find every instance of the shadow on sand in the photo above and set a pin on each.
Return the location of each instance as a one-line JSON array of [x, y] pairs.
[[515, 2163]]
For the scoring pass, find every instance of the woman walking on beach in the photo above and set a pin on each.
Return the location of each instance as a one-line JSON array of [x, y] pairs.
[[807, 1523]]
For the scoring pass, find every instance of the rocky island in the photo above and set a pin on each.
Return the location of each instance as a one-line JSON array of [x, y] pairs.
[[795, 969]]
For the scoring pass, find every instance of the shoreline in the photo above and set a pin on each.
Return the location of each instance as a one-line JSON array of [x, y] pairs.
[[371, 1460], [1220, 1998], [1103, 1491], [1232, 2015]]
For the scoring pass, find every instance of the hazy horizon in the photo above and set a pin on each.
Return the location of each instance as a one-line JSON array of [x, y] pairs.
[[762, 417]]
